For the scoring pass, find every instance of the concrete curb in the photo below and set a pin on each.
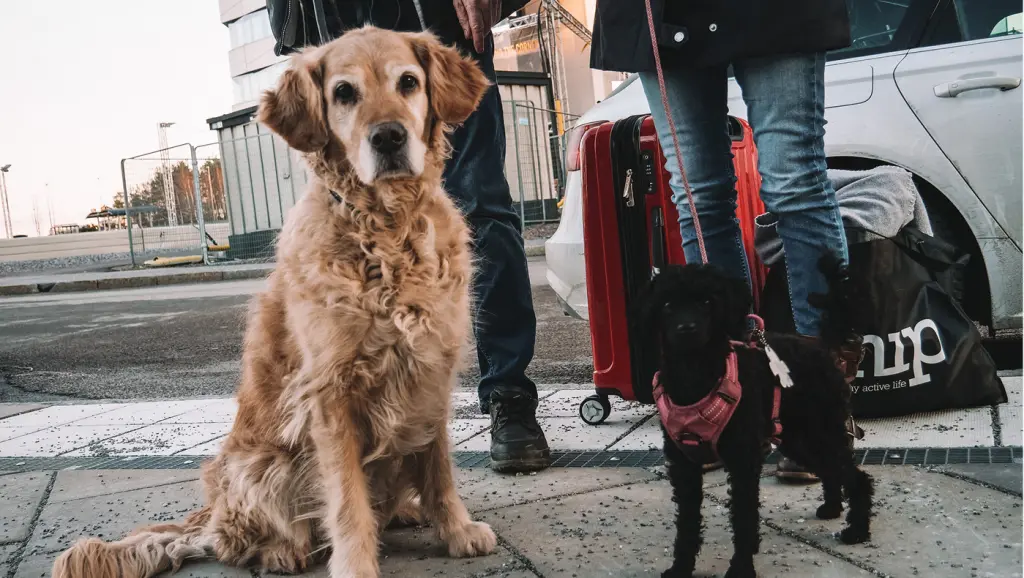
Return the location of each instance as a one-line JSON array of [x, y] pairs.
[[209, 275], [192, 275], [535, 250]]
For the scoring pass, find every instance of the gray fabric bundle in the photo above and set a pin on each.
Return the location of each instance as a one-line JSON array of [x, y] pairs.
[[876, 203]]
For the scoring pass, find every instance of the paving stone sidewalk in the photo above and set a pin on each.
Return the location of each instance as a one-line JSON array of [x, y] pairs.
[[576, 522], [196, 427]]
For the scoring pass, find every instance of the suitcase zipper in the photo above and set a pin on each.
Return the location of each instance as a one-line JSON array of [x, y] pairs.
[[627, 191]]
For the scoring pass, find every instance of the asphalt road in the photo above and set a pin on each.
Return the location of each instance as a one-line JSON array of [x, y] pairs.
[[185, 341]]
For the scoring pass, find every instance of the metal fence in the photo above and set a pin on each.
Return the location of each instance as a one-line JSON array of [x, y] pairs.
[[263, 179], [534, 164], [184, 201], [173, 203]]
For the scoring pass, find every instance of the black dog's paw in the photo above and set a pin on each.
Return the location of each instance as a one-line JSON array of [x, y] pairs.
[[851, 535], [741, 571], [675, 572], [829, 511]]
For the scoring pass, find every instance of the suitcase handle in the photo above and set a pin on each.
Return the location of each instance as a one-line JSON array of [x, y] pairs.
[[735, 129], [657, 241]]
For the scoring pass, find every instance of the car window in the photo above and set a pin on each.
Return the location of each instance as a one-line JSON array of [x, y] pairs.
[[1009, 25], [874, 23], [943, 27], [988, 18]]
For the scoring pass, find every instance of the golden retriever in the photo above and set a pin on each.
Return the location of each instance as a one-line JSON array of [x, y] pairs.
[[351, 354]]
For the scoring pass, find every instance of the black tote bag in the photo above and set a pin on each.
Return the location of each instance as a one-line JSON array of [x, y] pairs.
[[922, 352]]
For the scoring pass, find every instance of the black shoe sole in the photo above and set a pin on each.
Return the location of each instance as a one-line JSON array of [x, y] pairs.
[[526, 461]]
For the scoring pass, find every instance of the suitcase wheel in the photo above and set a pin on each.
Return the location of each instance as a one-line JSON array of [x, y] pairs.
[[595, 409]]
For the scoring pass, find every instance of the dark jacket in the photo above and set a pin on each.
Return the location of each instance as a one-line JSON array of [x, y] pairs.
[[299, 23], [713, 32]]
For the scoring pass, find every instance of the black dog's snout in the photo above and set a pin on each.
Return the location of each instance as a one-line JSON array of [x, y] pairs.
[[387, 137], [686, 327]]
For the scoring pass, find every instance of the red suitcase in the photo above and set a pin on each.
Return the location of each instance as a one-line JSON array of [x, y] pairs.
[[630, 229]]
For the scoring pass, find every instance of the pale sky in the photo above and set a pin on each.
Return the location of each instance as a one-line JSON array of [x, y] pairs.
[[84, 84]]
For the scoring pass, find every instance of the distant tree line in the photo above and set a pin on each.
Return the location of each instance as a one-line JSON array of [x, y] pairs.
[[151, 193]]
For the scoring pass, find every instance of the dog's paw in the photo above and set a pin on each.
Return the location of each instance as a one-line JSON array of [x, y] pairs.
[[473, 539], [741, 571], [851, 535], [829, 511], [408, 515], [675, 572], [284, 560]]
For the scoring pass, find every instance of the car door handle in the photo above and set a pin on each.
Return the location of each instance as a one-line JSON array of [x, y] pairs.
[[952, 89]]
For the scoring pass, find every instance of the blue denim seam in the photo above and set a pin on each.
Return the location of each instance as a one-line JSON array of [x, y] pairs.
[[789, 271]]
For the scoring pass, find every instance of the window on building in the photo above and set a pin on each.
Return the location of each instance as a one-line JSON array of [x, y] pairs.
[[249, 86], [250, 28]]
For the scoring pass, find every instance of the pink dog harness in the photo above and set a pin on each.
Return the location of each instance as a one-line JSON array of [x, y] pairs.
[[696, 428]]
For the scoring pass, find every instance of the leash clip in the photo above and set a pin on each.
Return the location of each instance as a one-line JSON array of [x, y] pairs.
[[757, 336]]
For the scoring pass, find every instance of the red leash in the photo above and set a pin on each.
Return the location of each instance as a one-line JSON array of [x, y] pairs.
[[675, 136], [664, 406]]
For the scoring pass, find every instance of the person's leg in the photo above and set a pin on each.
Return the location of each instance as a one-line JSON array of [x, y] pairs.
[[698, 102], [505, 323], [785, 98]]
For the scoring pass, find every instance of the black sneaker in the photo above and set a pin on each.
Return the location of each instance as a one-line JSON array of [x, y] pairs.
[[517, 442]]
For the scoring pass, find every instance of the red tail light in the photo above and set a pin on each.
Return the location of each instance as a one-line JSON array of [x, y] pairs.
[[572, 152]]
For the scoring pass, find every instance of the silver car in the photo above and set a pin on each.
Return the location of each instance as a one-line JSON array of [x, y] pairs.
[[932, 86]]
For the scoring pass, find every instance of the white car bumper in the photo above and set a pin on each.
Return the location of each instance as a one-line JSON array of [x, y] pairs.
[[564, 251]]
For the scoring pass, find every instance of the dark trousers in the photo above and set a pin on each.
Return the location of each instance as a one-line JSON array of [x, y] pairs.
[[505, 324]]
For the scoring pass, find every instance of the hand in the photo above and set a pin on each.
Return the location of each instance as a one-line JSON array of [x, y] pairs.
[[476, 18]]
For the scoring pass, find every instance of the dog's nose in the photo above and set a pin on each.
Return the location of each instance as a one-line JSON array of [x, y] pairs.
[[387, 137], [686, 327]]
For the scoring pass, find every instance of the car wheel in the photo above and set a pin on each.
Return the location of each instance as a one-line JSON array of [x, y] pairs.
[[970, 282]]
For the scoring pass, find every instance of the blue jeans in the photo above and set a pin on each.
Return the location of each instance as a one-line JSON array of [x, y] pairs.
[[505, 324], [785, 98]]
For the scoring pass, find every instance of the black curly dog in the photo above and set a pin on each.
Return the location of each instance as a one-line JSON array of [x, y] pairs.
[[696, 310]]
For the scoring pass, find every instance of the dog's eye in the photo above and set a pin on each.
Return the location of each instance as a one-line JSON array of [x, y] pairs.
[[345, 93], [408, 83]]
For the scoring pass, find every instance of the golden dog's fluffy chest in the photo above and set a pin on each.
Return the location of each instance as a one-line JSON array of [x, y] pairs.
[[383, 302]]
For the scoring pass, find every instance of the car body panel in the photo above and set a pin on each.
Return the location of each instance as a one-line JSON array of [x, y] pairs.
[[987, 115]]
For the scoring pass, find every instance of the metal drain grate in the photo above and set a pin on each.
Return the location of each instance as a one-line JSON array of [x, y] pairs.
[[560, 459]]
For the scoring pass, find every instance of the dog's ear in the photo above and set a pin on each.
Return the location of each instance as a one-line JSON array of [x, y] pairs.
[[455, 84], [295, 108]]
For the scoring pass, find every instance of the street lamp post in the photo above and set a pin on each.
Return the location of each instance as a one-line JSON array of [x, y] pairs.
[[5, 207], [170, 200]]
